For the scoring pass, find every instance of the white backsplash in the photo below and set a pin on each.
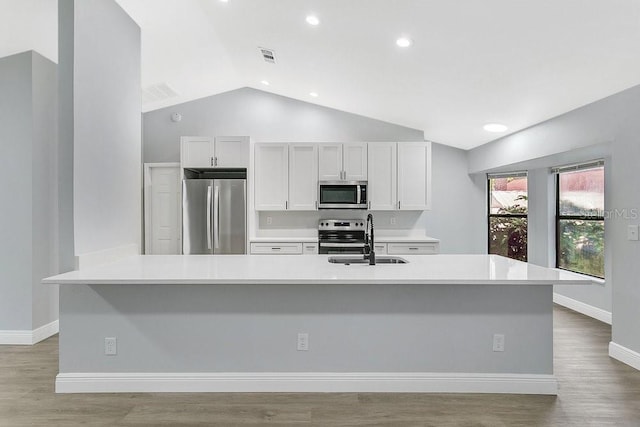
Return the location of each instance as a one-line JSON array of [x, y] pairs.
[[305, 224]]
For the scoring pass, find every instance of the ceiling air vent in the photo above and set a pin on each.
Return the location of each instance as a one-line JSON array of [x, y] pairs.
[[157, 92], [269, 55]]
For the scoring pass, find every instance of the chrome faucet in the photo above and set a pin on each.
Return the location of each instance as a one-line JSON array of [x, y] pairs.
[[369, 245]]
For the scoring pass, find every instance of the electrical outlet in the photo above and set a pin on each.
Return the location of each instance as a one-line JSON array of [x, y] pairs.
[[498, 342], [269, 220], [303, 341], [632, 232], [393, 220], [110, 346]]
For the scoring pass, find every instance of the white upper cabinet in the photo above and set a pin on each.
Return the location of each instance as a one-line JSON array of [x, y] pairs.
[[342, 162], [196, 152], [205, 152], [414, 175], [271, 176], [330, 162], [382, 188], [303, 177], [355, 161], [231, 152]]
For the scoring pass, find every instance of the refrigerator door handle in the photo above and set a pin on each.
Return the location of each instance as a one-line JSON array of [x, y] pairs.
[[216, 215], [209, 217]]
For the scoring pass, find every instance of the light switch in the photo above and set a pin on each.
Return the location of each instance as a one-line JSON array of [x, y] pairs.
[[632, 232]]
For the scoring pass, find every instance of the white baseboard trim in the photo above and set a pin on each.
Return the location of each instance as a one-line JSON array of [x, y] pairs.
[[580, 307], [26, 337], [302, 382], [44, 332], [92, 259], [624, 355]]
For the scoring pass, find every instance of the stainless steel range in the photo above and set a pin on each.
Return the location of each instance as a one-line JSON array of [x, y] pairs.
[[341, 236]]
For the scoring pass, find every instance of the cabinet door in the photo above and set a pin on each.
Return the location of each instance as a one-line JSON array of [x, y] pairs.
[[355, 161], [382, 164], [330, 162], [231, 152], [414, 175], [271, 176], [303, 177], [196, 152]]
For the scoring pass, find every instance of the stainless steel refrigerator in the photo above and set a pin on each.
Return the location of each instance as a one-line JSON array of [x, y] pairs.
[[214, 216]]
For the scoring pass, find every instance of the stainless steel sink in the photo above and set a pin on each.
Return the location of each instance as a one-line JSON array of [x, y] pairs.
[[360, 260]]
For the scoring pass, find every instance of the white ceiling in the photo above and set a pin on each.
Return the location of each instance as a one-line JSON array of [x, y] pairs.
[[517, 62]]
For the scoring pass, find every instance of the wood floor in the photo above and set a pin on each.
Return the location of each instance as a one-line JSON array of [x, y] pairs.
[[594, 391]]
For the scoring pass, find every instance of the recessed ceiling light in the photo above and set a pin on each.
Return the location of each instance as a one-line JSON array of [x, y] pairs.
[[495, 127], [314, 94], [265, 82], [404, 42], [313, 20]]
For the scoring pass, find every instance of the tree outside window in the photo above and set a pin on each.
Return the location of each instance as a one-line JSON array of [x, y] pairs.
[[580, 221], [508, 210]]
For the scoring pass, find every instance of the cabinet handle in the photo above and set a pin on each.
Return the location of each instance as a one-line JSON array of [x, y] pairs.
[[276, 249], [286, 204], [398, 204], [215, 161], [413, 249], [211, 161], [316, 205], [369, 204]]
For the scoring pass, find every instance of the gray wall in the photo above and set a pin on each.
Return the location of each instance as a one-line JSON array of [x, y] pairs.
[[457, 217], [27, 176], [15, 191], [607, 128], [44, 163], [64, 157], [626, 268], [107, 126], [264, 117], [352, 328]]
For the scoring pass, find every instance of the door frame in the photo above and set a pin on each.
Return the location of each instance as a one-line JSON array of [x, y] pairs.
[[147, 200]]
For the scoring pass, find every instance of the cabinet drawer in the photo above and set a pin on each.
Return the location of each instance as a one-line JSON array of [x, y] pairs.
[[310, 248], [380, 248], [412, 248], [276, 248]]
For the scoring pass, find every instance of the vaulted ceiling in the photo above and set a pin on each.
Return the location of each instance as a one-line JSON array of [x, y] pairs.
[[515, 62]]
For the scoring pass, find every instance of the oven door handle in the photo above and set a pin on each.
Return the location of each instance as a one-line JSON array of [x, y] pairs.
[[341, 245]]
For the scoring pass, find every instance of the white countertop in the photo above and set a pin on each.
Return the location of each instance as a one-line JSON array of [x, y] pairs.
[[314, 269]]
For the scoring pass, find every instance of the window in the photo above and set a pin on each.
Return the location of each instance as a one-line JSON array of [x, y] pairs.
[[580, 219], [508, 215]]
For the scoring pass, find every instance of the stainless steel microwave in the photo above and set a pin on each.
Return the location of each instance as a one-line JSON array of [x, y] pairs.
[[342, 195]]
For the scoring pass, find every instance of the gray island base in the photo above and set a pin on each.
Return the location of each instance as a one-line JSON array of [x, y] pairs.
[[370, 329]]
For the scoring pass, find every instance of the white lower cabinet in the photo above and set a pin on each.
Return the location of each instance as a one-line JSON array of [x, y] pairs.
[[310, 248], [291, 248], [425, 248], [380, 248]]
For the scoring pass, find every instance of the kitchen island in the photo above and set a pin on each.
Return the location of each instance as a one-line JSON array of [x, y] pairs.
[[299, 323]]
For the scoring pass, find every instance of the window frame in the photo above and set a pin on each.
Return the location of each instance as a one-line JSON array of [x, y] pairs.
[[559, 217], [515, 174]]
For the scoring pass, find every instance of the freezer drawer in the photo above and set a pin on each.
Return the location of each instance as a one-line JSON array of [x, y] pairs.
[[412, 248], [276, 248]]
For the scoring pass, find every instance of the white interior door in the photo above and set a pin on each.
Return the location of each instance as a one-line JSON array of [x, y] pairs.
[[162, 209]]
